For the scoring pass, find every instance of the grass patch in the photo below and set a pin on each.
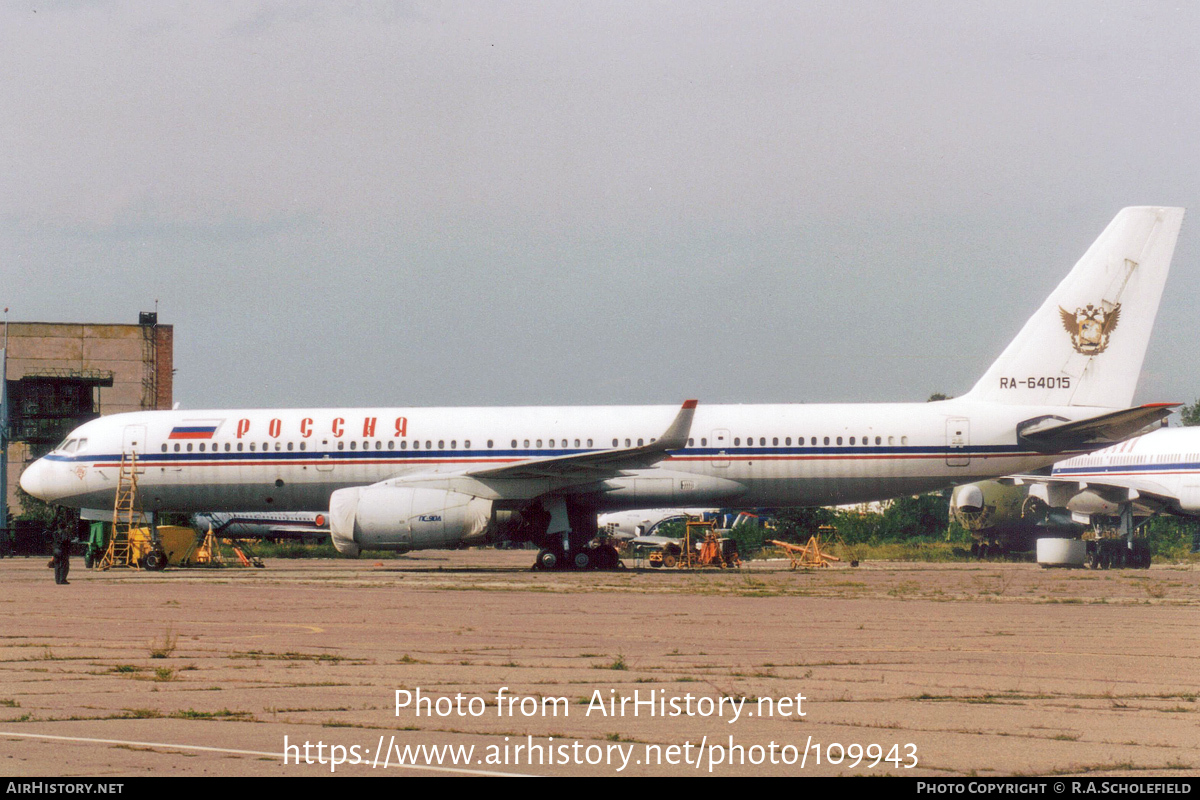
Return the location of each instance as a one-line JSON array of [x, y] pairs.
[[224, 713], [292, 655], [298, 550], [163, 648], [917, 549], [141, 713]]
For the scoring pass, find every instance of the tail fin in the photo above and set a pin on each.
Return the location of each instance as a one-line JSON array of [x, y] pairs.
[[1085, 345]]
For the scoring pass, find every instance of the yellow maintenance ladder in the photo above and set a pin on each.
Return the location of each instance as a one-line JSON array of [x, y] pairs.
[[131, 535]]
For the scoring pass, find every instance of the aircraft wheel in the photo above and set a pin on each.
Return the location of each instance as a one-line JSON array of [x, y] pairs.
[[606, 557], [548, 559], [583, 560]]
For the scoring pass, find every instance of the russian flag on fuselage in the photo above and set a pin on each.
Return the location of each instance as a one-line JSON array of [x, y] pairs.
[[195, 429]]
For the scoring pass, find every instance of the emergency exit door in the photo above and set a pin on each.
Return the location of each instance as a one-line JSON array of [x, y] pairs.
[[958, 442]]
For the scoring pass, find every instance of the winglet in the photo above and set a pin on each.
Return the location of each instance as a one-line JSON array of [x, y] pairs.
[[597, 465], [676, 436]]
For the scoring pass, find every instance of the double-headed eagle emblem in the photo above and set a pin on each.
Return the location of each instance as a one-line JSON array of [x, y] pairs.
[[1090, 327]]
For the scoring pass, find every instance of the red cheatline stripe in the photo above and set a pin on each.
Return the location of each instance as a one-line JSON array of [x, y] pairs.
[[150, 462]]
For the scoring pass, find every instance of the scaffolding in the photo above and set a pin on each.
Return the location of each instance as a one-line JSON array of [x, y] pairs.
[[807, 556], [207, 553], [708, 549]]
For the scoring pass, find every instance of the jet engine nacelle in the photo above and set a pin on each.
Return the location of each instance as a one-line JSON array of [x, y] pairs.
[[1189, 499], [986, 504], [1090, 503], [403, 518]]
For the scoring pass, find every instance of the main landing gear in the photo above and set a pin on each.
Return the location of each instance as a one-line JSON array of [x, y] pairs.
[[570, 538], [985, 550], [1122, 552], [1117, 554], [593, 556]]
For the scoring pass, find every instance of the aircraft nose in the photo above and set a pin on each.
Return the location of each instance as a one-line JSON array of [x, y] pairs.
[[33, 480]]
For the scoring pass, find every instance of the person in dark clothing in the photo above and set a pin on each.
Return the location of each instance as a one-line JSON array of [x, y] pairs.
[[61, 559], [62, 531]]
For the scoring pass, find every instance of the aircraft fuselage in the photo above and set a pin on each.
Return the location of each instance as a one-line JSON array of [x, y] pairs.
[[754, 455]]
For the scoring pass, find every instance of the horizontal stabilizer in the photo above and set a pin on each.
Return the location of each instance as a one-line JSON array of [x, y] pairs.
[[1052, 434]]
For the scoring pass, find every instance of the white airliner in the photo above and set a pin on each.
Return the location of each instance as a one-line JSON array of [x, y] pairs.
[[1158, 473], [262, 524], [409, 478], [627, 525], [645, 521], [1151, 474]]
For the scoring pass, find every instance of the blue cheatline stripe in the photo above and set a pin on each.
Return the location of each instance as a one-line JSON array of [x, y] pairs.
[[1140, 469], [327, 457]]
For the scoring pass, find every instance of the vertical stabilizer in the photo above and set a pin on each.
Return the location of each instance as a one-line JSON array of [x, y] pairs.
[[1085, 345]]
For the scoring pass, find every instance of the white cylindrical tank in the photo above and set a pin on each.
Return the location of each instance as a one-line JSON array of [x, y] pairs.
[[1061, 552]]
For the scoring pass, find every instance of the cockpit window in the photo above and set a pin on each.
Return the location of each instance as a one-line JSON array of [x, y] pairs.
[[82, 445], [69, 446]]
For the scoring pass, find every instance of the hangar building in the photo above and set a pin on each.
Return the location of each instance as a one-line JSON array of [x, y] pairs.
[[62, 374]]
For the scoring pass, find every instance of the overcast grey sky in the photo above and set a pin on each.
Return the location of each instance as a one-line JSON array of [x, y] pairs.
[[390, 203]]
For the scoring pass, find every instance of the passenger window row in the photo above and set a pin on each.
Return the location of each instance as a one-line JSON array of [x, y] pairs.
[[378, 444], [865, 441]]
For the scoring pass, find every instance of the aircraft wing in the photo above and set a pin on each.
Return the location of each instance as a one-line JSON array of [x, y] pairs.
[[1148, 494], [1053, 434], [604, 463], [536, 476]]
